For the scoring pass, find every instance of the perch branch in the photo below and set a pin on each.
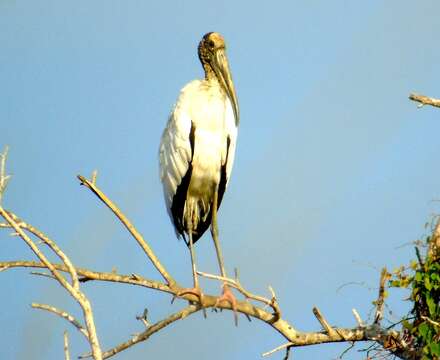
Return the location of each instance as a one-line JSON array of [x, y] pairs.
[[133, 231], [296, 338], [236, 285], [424, 100]]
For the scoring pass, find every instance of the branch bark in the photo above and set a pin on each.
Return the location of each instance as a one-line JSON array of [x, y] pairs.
[[424, 100]]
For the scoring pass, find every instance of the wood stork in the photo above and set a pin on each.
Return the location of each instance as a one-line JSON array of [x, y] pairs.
[[197, 152]]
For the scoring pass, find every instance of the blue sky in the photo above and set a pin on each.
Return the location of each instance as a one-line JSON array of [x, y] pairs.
[[335, 169]]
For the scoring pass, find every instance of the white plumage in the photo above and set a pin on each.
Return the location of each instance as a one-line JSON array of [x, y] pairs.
[[198, 142], [204, 107], [197, 152]]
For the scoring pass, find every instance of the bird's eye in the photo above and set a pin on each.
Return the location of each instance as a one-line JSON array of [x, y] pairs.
[[211, 44]]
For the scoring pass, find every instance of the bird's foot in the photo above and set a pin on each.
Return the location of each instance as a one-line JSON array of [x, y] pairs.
[[228, 296], [192, 291]]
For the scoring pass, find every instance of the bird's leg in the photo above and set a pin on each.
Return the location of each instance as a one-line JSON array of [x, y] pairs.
[[227, 294], [193, 261], [214, 233], [196, 289]]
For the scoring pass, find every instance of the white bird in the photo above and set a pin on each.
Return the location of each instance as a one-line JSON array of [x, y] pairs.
[[197, 152]]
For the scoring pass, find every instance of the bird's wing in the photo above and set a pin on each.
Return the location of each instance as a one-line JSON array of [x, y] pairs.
[[175, 155]]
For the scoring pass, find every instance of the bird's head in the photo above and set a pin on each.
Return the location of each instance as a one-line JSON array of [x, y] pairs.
[[212, 54]]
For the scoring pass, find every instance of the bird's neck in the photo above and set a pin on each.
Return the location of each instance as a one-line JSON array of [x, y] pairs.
[[209, 72]]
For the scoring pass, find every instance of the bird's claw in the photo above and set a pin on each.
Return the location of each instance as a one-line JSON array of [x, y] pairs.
[[195, 291], [229, 297]]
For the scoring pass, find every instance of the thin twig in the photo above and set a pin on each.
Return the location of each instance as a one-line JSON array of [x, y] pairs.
[[144, 318], [346, 350], [52, 245], [424, 100], [381, 296], [64, 315], [435, 323], [94, 176], [357, 317], [5, 214], [66, 346], [419, 257], [42, 274], [324, 323], [278, 348], [152, 330], [3, 177], [133, 231]]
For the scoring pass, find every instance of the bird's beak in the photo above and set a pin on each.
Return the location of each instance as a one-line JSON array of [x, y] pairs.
[[221, 68]]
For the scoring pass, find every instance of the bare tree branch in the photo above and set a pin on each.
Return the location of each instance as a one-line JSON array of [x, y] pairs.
[[3, 177], [434, 244], [52, 245], [248, 295], [74, 292], [295, 338], [88, 275], [64, 315], [424, 100], [180, 315], [278, 348], [381, 297], [357, 317], [133, 231], [325, 325], [66, 346]]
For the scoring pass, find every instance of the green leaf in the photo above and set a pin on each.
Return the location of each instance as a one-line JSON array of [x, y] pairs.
[[395, 283], [406, 324], [431, 306], [435, 348], [413, 264], [428, 283], [423, 330]]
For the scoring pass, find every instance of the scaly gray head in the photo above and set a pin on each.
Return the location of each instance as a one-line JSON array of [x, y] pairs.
[[212, 55]]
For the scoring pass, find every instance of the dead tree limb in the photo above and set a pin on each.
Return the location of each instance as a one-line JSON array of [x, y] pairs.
[[424, 100]]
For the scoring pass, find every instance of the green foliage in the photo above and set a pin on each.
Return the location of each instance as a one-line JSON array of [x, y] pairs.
[[423, 279]]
